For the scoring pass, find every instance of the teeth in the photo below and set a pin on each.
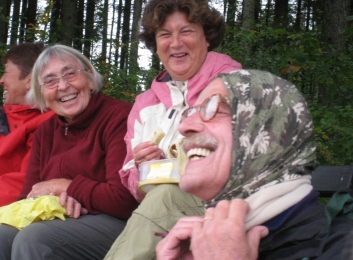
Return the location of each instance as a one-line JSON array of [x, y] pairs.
[[69, 97], [197, 153], [5, 92], [179, 55]]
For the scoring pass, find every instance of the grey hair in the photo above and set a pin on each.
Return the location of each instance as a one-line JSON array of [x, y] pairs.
[[62, 52]]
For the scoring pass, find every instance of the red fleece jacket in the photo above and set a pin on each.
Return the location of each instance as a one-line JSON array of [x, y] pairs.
[[90, 152], [15, 148]]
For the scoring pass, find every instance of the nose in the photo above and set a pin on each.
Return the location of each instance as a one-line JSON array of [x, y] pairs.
[[192, 124], [2, 80], [62, 83], [176, 41]]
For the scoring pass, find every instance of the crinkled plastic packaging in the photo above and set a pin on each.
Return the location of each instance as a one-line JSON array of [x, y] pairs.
[[21, 213]]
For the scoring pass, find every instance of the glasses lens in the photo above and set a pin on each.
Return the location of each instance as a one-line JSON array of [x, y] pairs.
[[50, 82], [70, 75], [209, 107]]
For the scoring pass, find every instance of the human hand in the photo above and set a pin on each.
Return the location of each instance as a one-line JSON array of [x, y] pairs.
[[73, 207], [222, 233], [176, 245], [52, 187], [146, 151]]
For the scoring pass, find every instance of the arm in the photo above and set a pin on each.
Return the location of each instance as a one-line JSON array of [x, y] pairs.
[[107, 195], [136, 149]]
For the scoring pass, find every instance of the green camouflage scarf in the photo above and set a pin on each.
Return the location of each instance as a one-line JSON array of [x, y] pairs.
[[273, 136]]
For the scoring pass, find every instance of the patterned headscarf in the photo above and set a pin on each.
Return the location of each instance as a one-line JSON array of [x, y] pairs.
[[273, 136]]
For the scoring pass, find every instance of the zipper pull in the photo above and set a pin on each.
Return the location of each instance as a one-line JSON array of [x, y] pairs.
[[66, 127]]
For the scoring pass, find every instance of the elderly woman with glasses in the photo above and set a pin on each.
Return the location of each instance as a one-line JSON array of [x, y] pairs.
[[76, 155]]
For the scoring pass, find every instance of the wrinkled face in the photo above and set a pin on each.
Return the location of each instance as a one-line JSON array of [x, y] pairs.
[[15, 89], [181, 46], [67, 99], [208, 146]]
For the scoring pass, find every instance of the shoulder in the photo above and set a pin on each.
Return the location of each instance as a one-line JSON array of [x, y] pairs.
[[115, 105]]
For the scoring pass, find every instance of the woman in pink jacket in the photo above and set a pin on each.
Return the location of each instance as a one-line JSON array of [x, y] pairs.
[[183, 34]]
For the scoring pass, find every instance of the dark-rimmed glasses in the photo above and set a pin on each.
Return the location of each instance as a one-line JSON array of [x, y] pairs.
[[208, 109], [53, 81]]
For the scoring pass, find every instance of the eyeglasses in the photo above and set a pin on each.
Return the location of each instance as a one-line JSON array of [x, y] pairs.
[[69, 76], [209, 108]]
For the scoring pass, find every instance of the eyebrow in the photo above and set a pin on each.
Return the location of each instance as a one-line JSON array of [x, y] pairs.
[[63, 69], [188, 26]]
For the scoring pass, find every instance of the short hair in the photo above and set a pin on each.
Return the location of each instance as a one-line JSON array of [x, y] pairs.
[[24, 55], [62, 52], [196, 11]]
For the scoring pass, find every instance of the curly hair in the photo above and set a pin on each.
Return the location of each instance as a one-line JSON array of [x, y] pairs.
[[196, 11]]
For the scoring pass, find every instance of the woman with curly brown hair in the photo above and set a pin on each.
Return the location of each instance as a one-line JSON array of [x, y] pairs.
[[182, 33]]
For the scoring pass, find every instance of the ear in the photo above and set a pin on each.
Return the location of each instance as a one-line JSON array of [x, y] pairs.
[[28, 81]]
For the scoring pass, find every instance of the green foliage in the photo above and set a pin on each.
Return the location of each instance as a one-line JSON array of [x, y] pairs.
[[334, 135], [323, 75], [121, 85]]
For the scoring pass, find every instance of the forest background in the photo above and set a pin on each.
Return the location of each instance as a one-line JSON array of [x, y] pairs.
[[308, 42]]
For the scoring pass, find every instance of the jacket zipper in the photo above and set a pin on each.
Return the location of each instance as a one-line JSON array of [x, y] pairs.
[[66, 127]]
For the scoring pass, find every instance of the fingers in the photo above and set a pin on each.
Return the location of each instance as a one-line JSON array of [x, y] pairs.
[[146, 151], [177, 243], [254, 237], [73, 207]]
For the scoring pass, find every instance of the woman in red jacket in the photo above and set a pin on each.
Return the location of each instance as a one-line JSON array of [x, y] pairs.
[[18, 119], [76, 155]]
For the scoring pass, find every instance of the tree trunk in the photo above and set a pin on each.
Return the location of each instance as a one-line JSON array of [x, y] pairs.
[[112, 41], [335, 22], [308, 14], [134, 33], [23, 21], [103, 55], [89, 28], [4, 23], [69, 18], [125, 35], [268, 13], [117, 44], [232, 7], [258, 4], [55, 17], [248, 13], [15, 21], [79, 25], [297, 23], [31, 20], [281, 13]]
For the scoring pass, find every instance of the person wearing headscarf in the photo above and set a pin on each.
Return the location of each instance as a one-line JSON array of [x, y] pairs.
[[250, 149]]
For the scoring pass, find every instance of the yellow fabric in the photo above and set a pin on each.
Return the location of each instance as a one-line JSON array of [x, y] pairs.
[[21, 213]]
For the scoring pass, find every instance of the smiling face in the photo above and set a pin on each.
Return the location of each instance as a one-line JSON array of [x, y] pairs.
[[15, 89], [208, 146], [181, 46], [67, 99]]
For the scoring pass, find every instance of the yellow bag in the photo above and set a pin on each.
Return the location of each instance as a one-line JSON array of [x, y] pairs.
[[21, 213]]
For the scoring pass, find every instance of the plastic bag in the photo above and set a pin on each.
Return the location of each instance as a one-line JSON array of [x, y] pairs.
[[21, 213]]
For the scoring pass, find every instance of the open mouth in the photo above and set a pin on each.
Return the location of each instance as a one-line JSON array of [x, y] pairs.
[[5, 92], [198, 153], [179, 55], [68, 98]]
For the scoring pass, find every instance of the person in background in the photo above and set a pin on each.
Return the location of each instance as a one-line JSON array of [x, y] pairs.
[[183, 34], [255, 179], [18, 119], [75, 155]]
